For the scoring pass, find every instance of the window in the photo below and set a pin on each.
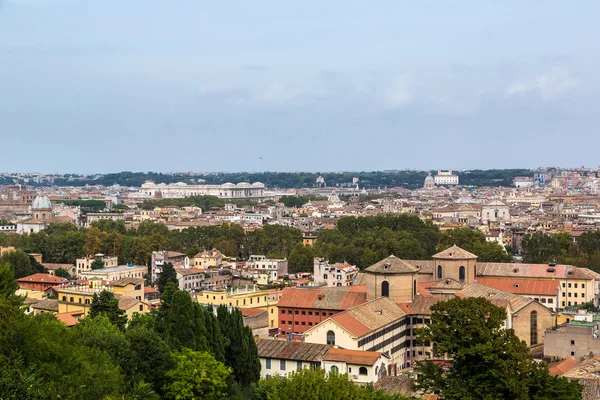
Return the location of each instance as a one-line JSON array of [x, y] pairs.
[[282, 365], [533, 328], [461, 274], [64, 298], [362, 371], [298, 365], [569, 285], [331, 338], [550, 300], [282, 312], [582, 294], [439, 272], [289, 312], [141, 307], [317, 313], [543, 300], [334, 369], [296, 312], [583, 285], [385, 289], [303, 312], [572, 354], [572, 343], [563, 284], [310, 313], [268, 363], [575, 285]]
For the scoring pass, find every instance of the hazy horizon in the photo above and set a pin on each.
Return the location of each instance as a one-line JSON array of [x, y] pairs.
[[311, 87]]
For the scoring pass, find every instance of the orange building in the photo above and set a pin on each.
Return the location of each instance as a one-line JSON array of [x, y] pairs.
[[40, 282]]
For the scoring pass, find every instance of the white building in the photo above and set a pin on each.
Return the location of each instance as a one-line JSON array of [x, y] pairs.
[[116, 273], [92, 217], [523, 181], [267, 270], [339, 274], [85, 264], [282, 357], [242, 190], [445, 178], [495, 211]]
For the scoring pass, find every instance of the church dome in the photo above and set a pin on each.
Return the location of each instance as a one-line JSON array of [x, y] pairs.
[[41, 203], [429, 181]]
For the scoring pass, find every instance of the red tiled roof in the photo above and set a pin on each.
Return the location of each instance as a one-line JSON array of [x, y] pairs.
[[527, 286], [68, 318], [325, 298], [358, 357], [42, 278], [251, 312], [562, 367]]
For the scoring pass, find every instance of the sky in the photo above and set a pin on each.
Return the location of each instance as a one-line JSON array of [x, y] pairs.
[[106, 86]]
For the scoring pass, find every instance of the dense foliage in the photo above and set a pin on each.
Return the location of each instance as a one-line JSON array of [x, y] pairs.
[[360, 241], [487, 361], [370, 179], [298, 201], [309, 384], [363, 241], [86, 206], [561, 249], [182, 351]]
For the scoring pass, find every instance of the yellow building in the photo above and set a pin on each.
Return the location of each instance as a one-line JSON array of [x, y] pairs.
[[206, 259], [249, 297], [129, 292]]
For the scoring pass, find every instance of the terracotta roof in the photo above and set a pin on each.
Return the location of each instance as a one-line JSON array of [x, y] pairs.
[[251, 312], [421, 305], [42, 278], [357, 357], [150, 289], [454, 253], [392, 265], [127, 281], [189, 271], [495, 296], [126, 302], [369, 317], [68, 318], [534, 271], [324, 298], [561, 367], [47, 305], [291, 350], [529, 286]]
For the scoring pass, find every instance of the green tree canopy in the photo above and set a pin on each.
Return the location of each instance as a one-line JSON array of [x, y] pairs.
[[167, 275], [196, 375], [317, 384], [487, 361], [107, 305]]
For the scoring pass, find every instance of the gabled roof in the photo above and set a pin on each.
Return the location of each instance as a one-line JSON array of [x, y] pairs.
[[357, 357], [529, 286], [369, 317], [454, 253], [534, 271], [43, 278], [325, 298], [495, 296], [392, 265], [445, 284], [47, 305], [291, 350], [127, 281]]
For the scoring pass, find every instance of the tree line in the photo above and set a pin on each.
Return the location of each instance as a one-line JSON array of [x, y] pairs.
[[560, 248], [359, 241], [369, 179]]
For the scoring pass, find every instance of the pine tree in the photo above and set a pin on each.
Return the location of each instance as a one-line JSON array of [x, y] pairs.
[[167, 275], [106, 304]]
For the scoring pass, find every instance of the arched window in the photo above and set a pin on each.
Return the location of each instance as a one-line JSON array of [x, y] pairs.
[[331, 337], [439, 272], [461, 274], [533, 328], [362, 371], [385, 289], [334, 369]]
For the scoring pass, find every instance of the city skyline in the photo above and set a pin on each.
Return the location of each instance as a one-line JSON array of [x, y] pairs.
[[100, 87]]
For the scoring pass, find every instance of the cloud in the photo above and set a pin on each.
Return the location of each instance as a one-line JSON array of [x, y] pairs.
[[400, 93], [550, 85]]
